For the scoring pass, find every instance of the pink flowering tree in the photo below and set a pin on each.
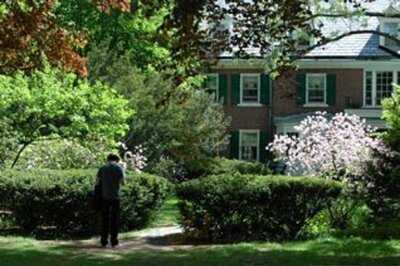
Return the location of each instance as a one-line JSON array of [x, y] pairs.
[[337, 147]]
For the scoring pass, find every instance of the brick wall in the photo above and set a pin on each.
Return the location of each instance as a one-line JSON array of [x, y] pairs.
[[245, 117], [349, 92]]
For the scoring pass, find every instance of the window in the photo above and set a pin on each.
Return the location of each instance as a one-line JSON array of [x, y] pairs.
[[211, 85], [250, 88], [378, 85], [249, 145], [384, 86], [316, 89], [368, 88], [393, 29]]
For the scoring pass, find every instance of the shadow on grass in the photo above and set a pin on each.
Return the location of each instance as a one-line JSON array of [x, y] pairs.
[[319, 252]]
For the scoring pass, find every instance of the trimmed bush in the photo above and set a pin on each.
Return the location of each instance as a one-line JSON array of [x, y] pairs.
[[227, 166], [249, 207], [60, 199]]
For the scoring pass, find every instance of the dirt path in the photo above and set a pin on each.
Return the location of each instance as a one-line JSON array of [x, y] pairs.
[[167, 238]]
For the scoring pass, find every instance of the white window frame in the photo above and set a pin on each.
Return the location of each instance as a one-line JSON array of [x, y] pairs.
[[258, 141], [216, 75], [374, 74], [382, 39], [316, 104], [258, 75]]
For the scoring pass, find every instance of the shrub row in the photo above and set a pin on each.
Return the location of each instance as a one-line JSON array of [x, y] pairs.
[[249, 207], [60, 199]]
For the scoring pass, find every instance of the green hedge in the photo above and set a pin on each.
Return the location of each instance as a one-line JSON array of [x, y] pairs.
[[228, 166], [60, 199], [248, 207]]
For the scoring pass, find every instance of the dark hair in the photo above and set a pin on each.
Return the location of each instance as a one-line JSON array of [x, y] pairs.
[[113, 157]]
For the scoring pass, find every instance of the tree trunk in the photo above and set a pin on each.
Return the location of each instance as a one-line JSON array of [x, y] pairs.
[[24, 145]]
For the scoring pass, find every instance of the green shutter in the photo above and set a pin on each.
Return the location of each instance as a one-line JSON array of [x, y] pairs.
[[301, 88], [235, 88], [265, 89], [234, 145], [204, 83], [223, 88], [331, 89], [263, 146]]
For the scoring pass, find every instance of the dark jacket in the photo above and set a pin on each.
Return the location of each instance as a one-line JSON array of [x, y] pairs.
[[110, 177]]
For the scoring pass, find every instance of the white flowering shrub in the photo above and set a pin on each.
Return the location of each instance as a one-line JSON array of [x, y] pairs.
[[336, 147], [63, 154], [133, 160]]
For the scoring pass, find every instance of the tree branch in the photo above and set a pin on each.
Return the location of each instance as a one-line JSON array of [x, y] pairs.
[[24, 145], [356, 14]]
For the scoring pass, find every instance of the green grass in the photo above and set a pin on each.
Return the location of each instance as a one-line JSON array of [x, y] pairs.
[[168, 215], [16, 251]]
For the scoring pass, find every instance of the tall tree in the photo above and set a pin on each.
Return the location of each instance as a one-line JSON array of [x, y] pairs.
[[188, 28], [50, 104], [30, 33], [178, 124], [134, 31]]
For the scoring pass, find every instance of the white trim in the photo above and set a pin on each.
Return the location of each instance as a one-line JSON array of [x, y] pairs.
[[241, 131], [364, 82], [374, 75], [316, 104], [250, 105], [348, 64], [365, 113], [242, 75], [311, 63], [216, 75], [286, 128], [310, 105]]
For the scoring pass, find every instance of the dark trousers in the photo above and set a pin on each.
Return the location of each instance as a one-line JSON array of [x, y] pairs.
[[110, 221]]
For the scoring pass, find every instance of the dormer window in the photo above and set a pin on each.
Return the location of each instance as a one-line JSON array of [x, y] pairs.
[[393, 29], [390, 25]]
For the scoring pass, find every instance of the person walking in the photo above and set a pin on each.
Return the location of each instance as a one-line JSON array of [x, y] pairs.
[[109, 179]]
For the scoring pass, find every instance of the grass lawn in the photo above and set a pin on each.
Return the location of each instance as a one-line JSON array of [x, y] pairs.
[[20, 251], [16, 251], [169, 214]]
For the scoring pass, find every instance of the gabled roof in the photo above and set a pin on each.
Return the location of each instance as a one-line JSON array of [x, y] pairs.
[[360, 46], [356, 46]]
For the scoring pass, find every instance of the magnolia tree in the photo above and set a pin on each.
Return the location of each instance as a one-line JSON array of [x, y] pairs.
[[338, 147]]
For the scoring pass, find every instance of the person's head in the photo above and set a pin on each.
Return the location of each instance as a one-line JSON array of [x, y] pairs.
[[113, 158]]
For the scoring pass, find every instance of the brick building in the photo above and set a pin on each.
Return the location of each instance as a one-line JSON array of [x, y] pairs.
[[351, 75]]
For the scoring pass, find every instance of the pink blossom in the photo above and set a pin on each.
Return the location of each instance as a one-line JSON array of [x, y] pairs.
[[134, 160], [336, 147]]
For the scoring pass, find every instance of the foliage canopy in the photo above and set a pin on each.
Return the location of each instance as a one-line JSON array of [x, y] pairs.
[[49, 103]]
